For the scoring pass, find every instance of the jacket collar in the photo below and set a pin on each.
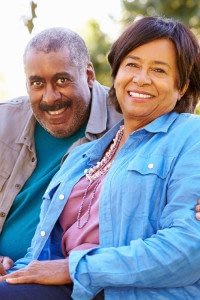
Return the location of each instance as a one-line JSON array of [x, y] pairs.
[[26, 135], [98, 115]]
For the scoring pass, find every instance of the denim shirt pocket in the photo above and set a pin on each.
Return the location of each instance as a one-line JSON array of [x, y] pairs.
[[148, 181], [156, 164]]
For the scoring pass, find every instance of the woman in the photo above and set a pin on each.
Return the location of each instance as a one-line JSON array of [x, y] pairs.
[[133, 196]]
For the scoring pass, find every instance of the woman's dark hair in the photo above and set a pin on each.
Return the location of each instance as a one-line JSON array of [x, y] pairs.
[[187, 48]]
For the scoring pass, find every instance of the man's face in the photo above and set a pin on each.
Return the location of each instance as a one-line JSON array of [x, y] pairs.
[[59, 91]]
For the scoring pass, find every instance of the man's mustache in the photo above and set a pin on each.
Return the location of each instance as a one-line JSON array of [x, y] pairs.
[[56, 106]]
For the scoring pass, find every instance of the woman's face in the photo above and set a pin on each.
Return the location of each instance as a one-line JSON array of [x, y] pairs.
[[146, 82]]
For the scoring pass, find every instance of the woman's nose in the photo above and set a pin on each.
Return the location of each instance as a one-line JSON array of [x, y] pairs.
[[141, 78]]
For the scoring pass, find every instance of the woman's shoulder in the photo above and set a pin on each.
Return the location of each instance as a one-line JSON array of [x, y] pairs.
[[188, 121], [190, 117], [186, 128]]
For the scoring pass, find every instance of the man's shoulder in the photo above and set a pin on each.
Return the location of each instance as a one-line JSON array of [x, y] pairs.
[[16, 106], [14, 115], [22, 101]]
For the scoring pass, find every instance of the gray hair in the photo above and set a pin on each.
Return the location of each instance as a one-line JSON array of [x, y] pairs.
[[56, 38]]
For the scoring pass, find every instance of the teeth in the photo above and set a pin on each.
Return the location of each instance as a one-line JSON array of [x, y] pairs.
[[137, 95], [56, 112]]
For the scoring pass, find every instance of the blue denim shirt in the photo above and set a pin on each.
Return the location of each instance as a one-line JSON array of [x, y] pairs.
[[149, 238]]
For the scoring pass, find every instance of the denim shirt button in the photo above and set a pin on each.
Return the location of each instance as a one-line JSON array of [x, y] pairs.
[[42, 233], [61, 196], [150, 166]]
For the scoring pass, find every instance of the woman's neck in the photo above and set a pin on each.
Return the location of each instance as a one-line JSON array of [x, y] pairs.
[[131, 126]]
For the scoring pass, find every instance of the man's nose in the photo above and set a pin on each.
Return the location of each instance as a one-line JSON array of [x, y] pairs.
[[50, 94], [142, 78]]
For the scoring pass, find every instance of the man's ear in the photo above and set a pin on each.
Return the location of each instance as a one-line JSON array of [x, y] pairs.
[[90, 74]]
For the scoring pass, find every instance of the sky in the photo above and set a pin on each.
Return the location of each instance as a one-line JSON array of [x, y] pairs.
[[14, 34]]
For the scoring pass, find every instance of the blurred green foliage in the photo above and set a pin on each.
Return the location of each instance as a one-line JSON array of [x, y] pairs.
[[197, 110], [98, 44], [187, 11]]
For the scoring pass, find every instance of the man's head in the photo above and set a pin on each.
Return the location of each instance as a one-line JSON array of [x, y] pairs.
[[59, 77]]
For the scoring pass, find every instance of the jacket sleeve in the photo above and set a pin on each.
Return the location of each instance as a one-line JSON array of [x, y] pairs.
[[169, 258]]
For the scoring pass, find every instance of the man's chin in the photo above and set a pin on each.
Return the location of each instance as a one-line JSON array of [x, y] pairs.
[[58, 133], [64, 129], [54, 130]]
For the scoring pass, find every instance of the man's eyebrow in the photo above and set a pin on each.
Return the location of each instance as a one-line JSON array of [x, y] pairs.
[[55, 76], [62, 74], [35, 78]]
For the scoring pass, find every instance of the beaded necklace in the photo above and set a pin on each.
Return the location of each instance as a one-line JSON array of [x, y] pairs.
[[95, 173]]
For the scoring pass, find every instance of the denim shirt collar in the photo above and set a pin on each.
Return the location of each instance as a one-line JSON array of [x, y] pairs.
[[161, 124]]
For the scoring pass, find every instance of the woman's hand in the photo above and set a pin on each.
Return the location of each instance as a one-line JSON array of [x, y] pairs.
[[52, 272], [197, 209], [5, 264]]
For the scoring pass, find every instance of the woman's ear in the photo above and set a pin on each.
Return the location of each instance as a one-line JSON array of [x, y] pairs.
[[183, 90]]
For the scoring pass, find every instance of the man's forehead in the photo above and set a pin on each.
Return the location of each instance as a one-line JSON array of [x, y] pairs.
[[49, 60], [34, 51]]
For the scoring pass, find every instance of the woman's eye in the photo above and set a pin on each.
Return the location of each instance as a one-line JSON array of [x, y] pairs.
[[159, 70], [133, 65]]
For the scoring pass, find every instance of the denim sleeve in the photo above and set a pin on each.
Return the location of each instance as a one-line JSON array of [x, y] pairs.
[[169, 258]]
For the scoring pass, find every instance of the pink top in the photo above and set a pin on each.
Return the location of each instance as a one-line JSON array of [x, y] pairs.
[[75, 238]]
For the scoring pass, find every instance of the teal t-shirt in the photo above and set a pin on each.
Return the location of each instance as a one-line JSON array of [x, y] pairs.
[[23, 217]]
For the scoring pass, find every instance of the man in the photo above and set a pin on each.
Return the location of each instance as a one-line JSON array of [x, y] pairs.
[[65, 107]]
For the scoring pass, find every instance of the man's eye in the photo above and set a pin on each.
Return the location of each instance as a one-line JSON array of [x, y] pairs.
[[62, 80], [36, 83]]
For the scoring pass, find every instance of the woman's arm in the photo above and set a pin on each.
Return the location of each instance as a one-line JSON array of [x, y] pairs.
[[169, 258]]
